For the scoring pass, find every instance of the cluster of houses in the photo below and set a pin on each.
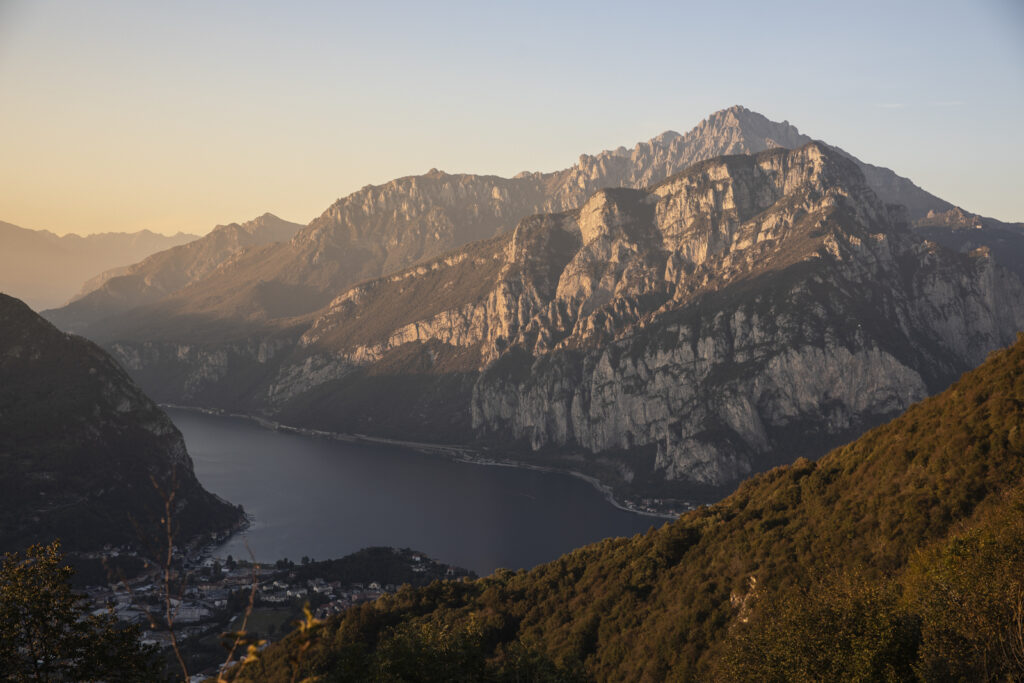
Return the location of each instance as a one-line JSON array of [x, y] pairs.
[[194, 607], [213, 593]]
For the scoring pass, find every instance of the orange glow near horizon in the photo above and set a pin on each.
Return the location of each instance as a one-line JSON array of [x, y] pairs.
[[121, 116]]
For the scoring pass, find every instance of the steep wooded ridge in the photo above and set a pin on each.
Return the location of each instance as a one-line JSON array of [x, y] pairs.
[[80, 446], [46, 270], [737, 315], [897, 557], [122, 289]]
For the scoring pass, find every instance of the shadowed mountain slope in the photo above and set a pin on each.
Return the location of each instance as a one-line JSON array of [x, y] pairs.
[[164, 273], [81, 447], [964, 232]]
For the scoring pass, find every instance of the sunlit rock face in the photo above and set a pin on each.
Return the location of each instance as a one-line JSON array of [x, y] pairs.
[[733, 309], [680, 314], [739, 314], [268, 270]]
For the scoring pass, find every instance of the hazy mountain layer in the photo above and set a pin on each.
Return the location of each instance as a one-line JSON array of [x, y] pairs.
[[737, 315], [896, 557], [81, 447], [45, 270], [122, 289]]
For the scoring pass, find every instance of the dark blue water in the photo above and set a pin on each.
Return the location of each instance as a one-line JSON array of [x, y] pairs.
[[324, 498]]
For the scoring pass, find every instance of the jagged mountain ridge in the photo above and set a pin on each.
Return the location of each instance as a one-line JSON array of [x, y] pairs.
[[161, 274], [964, 231], [738, 314], [382, 229], [79, 444], [45, 270]]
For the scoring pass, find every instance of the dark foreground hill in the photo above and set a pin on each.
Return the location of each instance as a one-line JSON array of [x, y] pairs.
[[81, 447], [897, 557]]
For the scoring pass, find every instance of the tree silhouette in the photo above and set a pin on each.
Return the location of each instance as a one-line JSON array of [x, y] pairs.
[[48, 634]]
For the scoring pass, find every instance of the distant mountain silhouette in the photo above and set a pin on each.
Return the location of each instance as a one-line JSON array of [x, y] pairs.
[[45, 270]]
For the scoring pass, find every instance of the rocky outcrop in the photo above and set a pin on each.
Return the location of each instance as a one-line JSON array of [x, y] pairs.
[[83, 449], [964, 232]]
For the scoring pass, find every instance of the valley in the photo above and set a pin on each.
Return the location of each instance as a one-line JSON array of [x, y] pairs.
[[740, 312], [683, 406], [323, 498]]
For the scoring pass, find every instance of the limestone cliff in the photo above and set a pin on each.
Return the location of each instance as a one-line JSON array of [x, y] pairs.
[[746, 311]]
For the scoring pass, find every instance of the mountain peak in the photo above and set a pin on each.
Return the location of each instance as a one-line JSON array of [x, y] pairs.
[[735, 112], [753, 130], [665, 139]]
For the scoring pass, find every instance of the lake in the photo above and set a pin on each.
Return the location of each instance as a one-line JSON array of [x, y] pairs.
[[324, 498]]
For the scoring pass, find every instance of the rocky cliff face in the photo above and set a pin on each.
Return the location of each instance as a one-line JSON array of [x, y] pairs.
[[81, 447], [746, 311], [736, 312], [392, 226]]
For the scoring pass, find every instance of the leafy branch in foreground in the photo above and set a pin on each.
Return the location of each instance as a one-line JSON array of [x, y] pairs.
[[48, 634]]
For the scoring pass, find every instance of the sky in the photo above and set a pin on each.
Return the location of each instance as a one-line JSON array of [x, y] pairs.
[[125, 115]]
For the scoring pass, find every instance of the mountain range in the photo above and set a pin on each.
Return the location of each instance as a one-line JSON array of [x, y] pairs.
[[382, 229], [46, 270], [670, 319], [736, 312], [166, 272]]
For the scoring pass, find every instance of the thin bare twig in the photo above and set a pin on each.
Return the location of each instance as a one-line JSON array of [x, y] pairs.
[[241, 634], [170, 612]]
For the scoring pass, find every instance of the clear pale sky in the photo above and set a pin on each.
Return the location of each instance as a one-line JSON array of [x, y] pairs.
[[124, 115]]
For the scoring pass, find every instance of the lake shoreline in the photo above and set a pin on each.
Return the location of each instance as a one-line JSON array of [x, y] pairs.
[[454, 453]]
